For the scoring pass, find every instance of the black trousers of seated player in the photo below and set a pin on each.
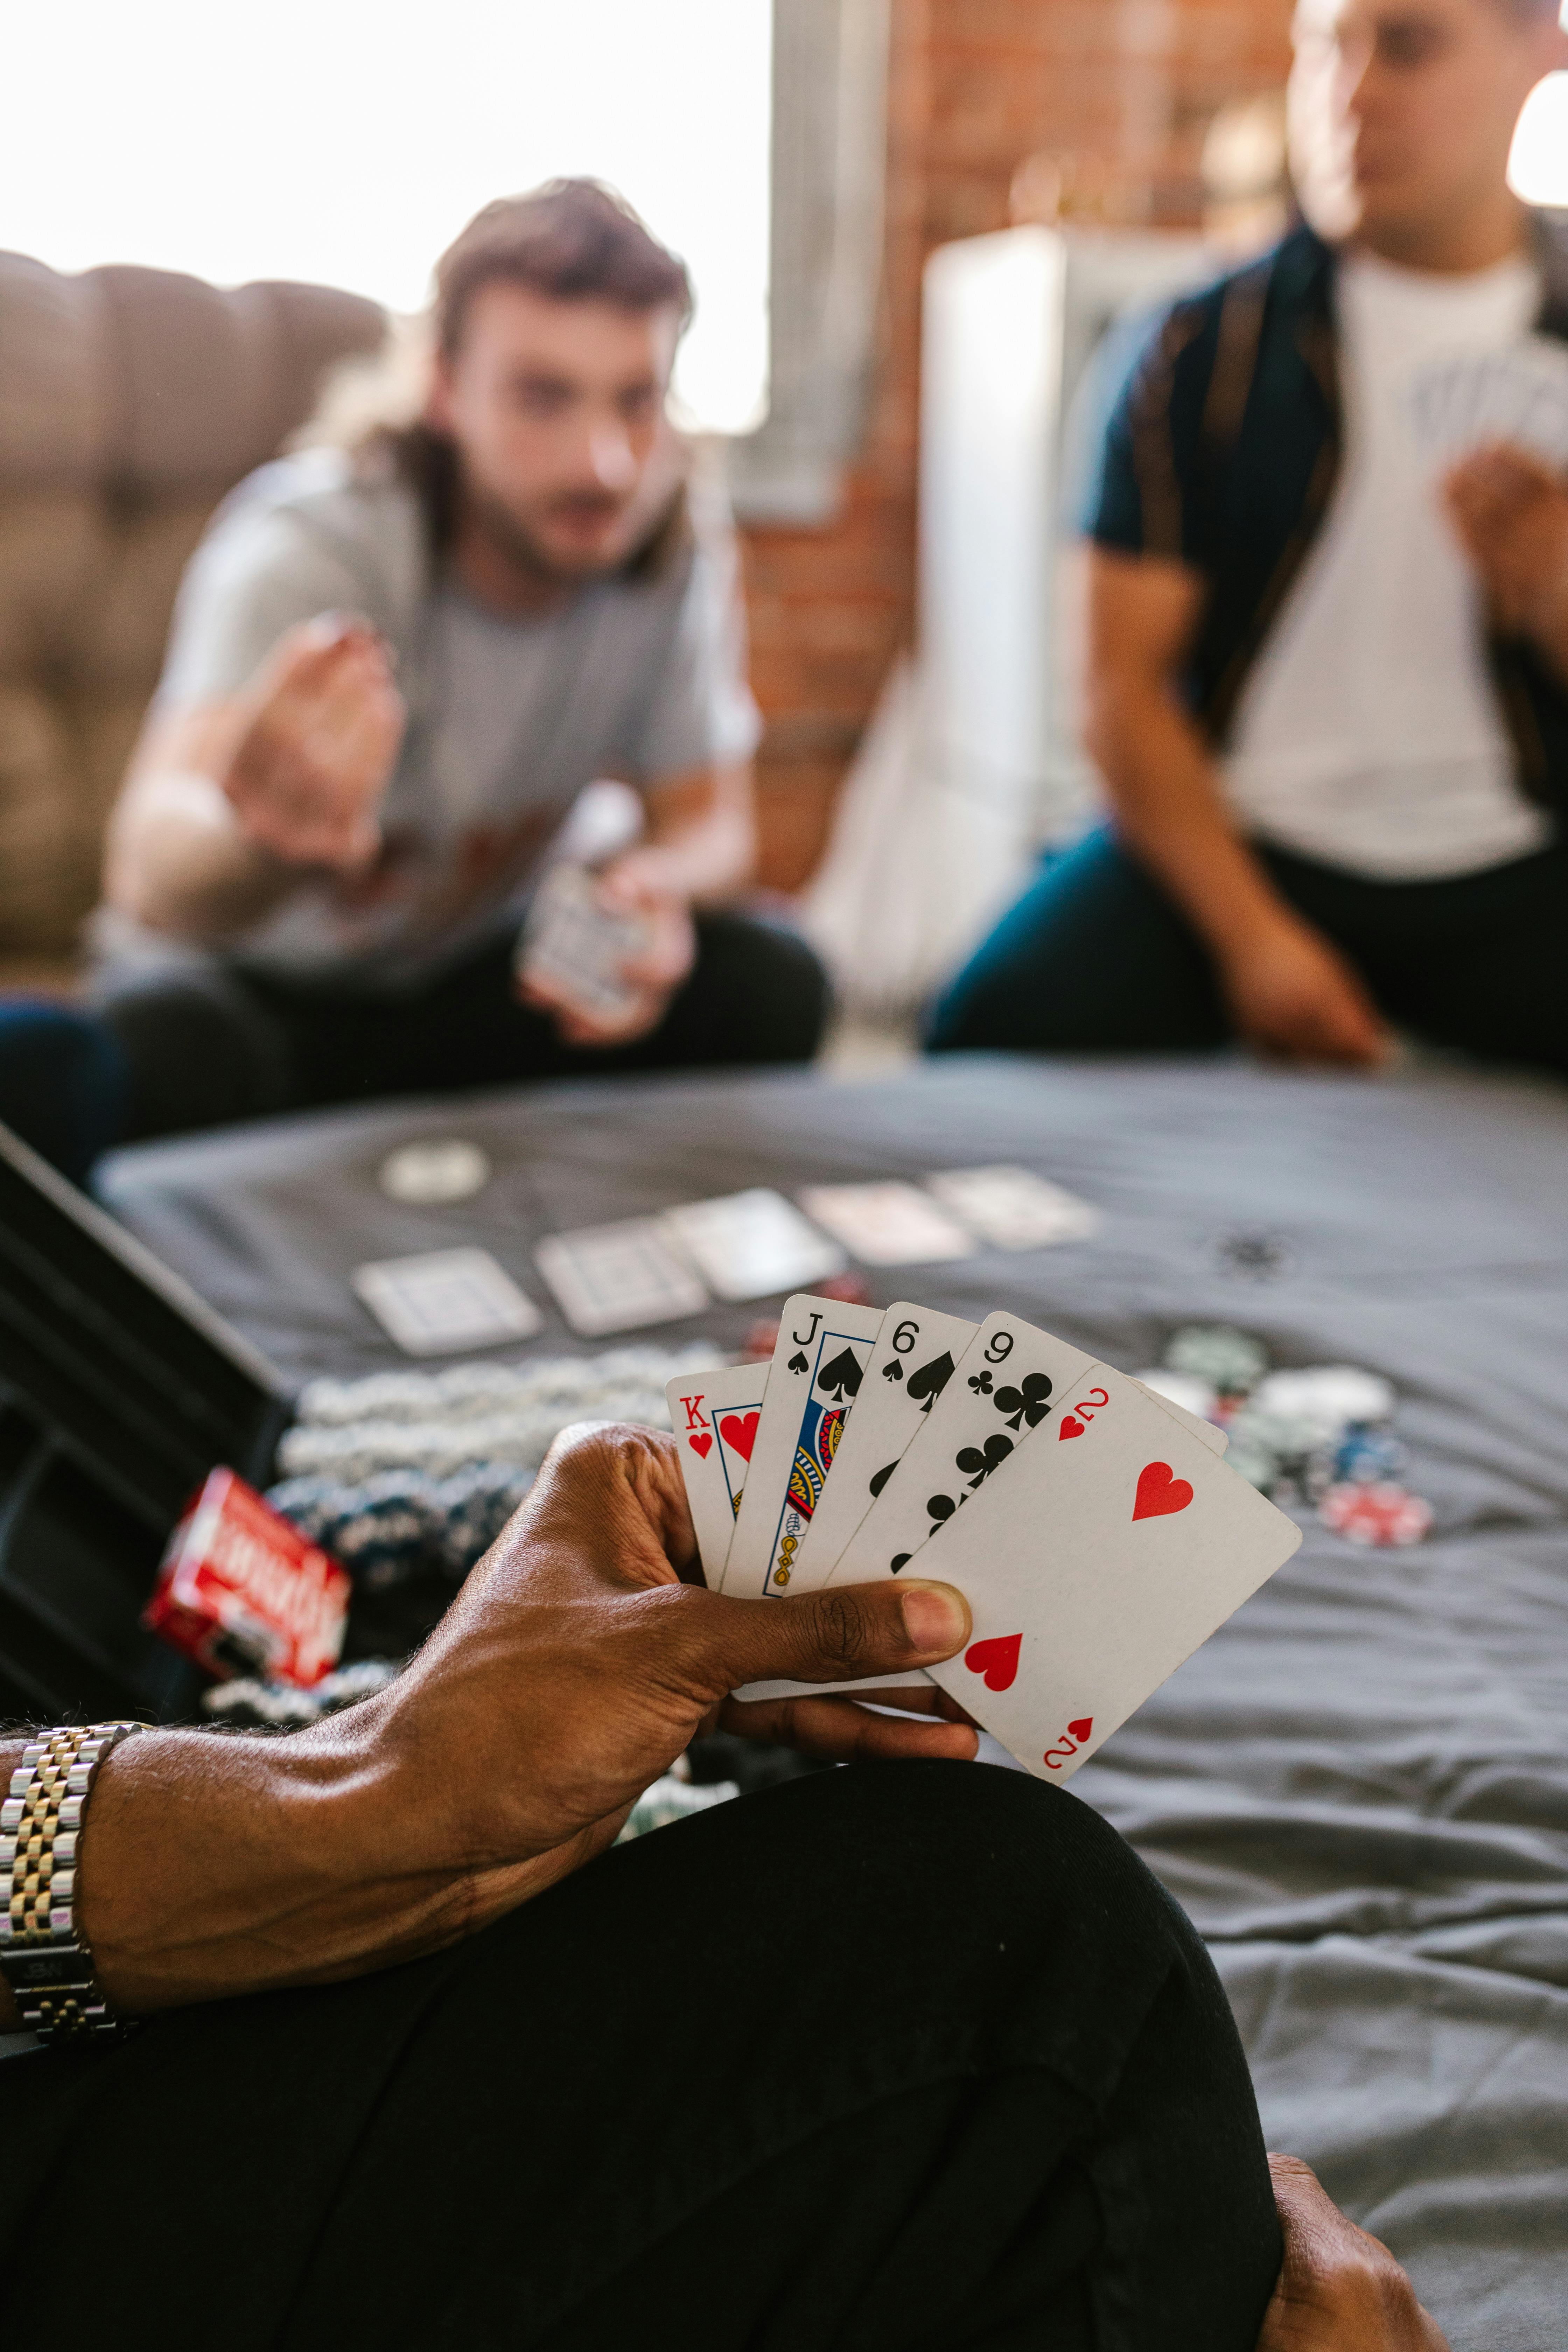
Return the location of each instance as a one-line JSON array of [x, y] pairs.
[[217, 1043], [160, 1054], [907, 2058], [1095, 958]]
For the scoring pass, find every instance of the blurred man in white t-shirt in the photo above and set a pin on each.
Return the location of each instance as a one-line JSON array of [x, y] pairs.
[[1328, 667], [391, 672]]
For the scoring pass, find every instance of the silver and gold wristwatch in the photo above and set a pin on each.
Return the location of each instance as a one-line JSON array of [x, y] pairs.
[[43, 1956]]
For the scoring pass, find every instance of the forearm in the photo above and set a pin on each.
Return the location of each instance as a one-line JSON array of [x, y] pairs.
[[701, 843], [177, 861], [1170, 808], [212, 1865]]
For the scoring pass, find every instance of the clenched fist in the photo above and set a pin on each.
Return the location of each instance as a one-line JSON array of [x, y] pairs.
[[320, 739]]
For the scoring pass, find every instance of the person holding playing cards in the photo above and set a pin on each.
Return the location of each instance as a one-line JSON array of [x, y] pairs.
[[912, 2053], [1327, 671], [393, 670]]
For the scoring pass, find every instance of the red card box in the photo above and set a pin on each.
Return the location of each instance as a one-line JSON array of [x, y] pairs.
[[241, 1591]]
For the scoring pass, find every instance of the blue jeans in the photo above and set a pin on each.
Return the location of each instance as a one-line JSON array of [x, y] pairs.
[[1095, 958]]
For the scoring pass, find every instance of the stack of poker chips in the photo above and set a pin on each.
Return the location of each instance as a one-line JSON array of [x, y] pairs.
[[399, 1524], [1319, 1434]]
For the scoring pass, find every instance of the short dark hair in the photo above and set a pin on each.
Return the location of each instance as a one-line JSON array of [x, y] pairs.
[[576, 240]]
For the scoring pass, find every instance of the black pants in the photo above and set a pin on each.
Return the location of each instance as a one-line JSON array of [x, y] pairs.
[[1094, 957], [898, 2058], [214, 1044]]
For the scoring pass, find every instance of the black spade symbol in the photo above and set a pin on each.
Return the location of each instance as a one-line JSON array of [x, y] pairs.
[[899, 1560], [978, 1464], [1025, 1403], [929, 1382], [801, 1363], [841, 1378], [893, 1371], [942, 1508], [881, 1479]]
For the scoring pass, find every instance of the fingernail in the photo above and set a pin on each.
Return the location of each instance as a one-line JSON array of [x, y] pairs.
[[936, 1618]]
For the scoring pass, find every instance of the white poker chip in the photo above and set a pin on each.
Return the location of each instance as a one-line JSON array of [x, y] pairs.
[[1184, 1389], [426, 1175], [1328, 1397]]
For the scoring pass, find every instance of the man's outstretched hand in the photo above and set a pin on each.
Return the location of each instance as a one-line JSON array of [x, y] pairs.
[[1340, 2290], [580, 1659], [323, 726]]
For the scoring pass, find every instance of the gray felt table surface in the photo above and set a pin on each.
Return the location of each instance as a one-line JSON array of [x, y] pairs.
[[1359, 1788]]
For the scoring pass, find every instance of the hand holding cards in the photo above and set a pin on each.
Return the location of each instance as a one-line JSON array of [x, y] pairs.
[[1093, 1527]]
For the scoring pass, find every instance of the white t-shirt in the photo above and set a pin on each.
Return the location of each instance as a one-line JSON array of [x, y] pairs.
[[642, 678], [1369, 735]]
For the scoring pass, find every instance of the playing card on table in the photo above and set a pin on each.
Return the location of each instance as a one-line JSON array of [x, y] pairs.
[[715, 1416], [888, 1224], [914, 1356], [1000, 1393], [750, 1244], [619, 1278], [1113, 1549], [812, 1381], [442, 1300], [1013, 1209]]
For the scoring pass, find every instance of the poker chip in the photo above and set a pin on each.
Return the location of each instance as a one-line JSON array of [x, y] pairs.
[[1184, 1389], [1329, 1397], [1253, 1461], [249, 1703], [1379, 1514], [428, 1175], [1230, 1362], [1365, 1457]]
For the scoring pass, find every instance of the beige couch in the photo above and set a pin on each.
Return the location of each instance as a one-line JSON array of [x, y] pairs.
[[130, 400]]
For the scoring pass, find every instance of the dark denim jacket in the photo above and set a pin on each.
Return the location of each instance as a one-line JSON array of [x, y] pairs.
[[1223, 451]]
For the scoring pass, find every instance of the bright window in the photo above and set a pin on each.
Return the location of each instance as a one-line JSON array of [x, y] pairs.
[[346, 142], [1538, 168]]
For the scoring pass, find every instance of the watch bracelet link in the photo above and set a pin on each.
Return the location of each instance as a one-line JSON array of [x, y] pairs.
[[43, 1956]]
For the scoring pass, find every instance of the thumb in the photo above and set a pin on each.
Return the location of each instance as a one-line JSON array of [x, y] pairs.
[[840, 1634]]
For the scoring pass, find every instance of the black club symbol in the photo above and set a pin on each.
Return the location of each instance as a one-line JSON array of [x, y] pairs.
[[980, 1383], [1025, 1403], [977, 1464]]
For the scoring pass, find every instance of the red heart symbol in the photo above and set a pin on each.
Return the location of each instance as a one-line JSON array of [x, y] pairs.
[[700, 1444], [1070, 1427], [997, 1659], [1081, 1729], [1159, 1491], [740, 1430]]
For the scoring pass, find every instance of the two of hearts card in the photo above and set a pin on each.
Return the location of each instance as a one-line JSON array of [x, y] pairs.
[[1094, 1527]]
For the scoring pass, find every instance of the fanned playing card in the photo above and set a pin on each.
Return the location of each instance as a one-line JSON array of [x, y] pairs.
[[1110, 1550], [715, 1417], [1000, 1393], [815, 1375], [914, 1356]]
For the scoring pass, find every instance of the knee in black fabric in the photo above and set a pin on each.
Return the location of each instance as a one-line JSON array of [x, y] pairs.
[[201, 1050], [64, 1083], [766, 988]]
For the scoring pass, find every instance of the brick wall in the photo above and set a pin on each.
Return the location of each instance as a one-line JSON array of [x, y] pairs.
[[1121, 90]]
